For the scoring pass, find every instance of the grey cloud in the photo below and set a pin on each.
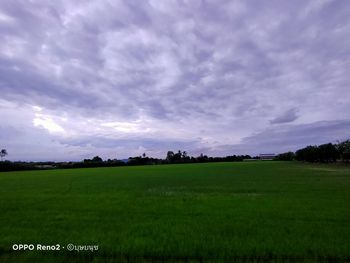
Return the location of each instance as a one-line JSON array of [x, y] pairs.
[[288, 137], [226, 67], [288, 116], [299, 135], [149, 145]]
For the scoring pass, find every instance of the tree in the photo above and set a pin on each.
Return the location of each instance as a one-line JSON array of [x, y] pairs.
[[185, 156], [287, 156], [202, 158], [177, 156], [97, 159], [3, 153], [328, 152], [309, 154], [170, 156], [344, 150], [323, 153]]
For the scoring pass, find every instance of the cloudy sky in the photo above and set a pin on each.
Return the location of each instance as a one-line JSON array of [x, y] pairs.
[[119, 78]]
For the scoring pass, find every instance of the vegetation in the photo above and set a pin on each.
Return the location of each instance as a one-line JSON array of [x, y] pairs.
[[247, 211], [344, 150], [171, 158], [3, 153], [325, 153], [288, 156]]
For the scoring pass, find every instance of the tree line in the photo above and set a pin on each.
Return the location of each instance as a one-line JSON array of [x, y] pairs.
[[170, 158], [324, 153]]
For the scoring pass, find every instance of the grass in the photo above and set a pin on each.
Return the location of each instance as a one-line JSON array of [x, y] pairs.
[[248, 211]]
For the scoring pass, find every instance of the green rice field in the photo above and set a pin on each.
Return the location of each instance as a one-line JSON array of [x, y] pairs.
[[216, 212]]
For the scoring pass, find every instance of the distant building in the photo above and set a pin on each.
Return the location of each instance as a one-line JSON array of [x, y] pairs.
[[267, 156], [44, 166]]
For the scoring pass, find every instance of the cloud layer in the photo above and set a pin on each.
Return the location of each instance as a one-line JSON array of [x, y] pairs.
[[119, 78]]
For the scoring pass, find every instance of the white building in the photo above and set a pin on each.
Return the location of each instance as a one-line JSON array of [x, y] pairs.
[[267, 156]]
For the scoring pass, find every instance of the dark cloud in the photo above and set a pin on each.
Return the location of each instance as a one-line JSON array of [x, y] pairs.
[[201, 74], [288, 116]]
